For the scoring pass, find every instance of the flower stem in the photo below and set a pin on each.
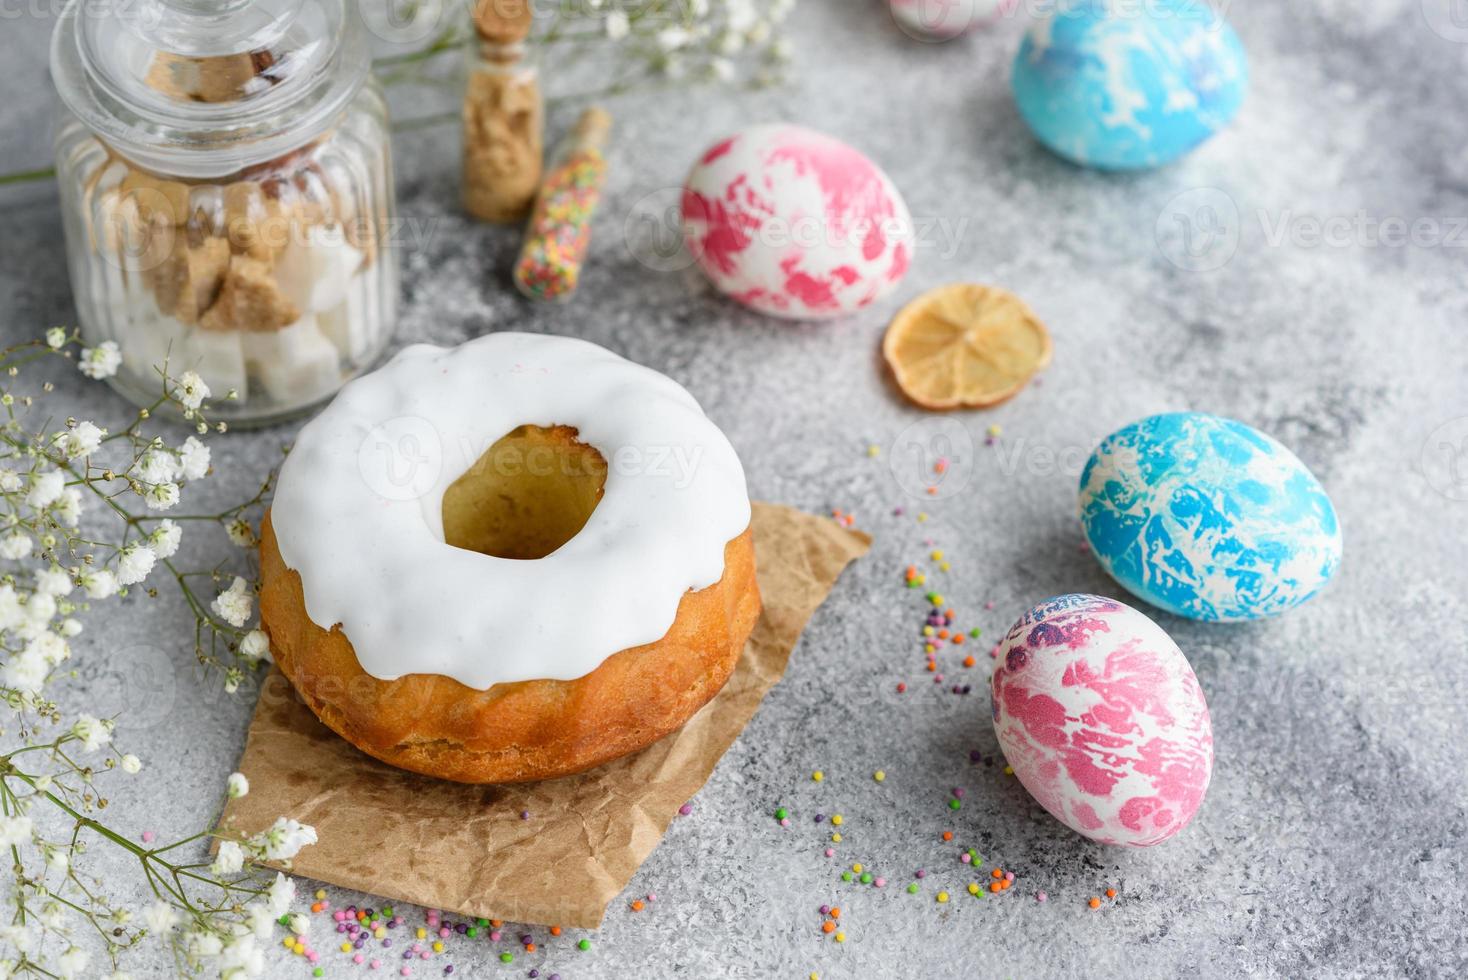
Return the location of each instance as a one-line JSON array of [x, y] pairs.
[[27, 176]]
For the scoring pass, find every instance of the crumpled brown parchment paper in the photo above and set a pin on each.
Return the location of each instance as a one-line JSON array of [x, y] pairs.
[[465, 849]]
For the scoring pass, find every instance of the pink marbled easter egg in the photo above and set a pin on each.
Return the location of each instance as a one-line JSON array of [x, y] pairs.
[[1102, 719], [938, 20], [795, 224]]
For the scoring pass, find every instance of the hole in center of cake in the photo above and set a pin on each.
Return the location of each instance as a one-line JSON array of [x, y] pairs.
[[530, 493]]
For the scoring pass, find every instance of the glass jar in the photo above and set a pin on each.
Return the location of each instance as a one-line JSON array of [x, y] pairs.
[[227, 194], [504, 126]]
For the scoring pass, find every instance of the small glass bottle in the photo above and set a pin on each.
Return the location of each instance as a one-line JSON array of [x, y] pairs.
[[559, 232], [504, 115], [226, 189]]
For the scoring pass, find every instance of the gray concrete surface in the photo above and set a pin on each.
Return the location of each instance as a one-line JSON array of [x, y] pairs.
[[1332, 839]]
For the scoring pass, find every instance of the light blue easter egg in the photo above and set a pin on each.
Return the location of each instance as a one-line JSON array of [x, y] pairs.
[[1208, 518], [1129, 84]]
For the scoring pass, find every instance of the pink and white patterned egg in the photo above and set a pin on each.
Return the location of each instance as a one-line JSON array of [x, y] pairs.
[[795, 224], [1102, 719], [939, 20]]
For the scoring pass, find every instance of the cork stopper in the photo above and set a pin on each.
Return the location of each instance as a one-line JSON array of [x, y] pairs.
[[503, 21], [590, 131]]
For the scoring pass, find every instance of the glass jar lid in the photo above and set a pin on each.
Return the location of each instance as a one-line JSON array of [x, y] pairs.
[[203, 87]]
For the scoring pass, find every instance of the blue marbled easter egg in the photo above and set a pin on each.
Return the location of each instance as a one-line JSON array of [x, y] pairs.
[[1208, 518], [1129, 85]]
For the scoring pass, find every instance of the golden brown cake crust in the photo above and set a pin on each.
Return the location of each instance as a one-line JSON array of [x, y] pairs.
[[522, 731]]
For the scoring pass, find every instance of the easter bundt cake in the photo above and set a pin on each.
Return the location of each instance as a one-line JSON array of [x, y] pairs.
[[510, 560]]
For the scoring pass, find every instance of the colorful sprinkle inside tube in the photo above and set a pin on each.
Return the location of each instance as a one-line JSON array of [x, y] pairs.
[[559, 232]]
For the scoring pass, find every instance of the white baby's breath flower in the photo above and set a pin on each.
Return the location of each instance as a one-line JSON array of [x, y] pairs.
[[131, 764], [618, 26], [53, 581], [284, 839], [235, 604], [135, 564], [80, 440], [740, 14], [72, 962], [50, 647], [94, 732], [45, 488], [255, 646], [237, 786], [723, 69], [165, 538], [101, 361], [161, 496], [259, 920], [241, 533], [68, 510], [203, 944], [9, 480], [40, 609], [15, 831], [70, 627], [191, 390], [193, 459], [300, 925], [161, 918], [241, 958], [12, 613], [15, 545], [22, 938], [25, 671], [229, 859], [759, 33], [100, 584], [58, 859], [155, 466], [673, 38], [55, 337], [282, 893]]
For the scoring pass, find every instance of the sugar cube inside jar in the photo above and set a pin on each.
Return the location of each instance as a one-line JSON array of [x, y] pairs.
[[226, 188]]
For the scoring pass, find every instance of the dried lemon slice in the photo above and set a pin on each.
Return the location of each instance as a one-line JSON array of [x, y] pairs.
[[965, 346]]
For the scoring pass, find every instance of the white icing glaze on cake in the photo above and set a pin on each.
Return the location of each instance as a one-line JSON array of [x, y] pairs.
[[358, 511]]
